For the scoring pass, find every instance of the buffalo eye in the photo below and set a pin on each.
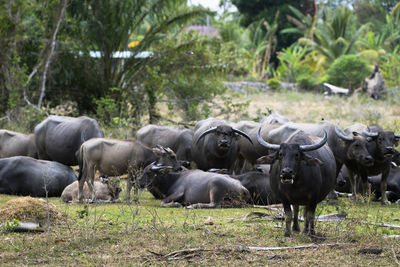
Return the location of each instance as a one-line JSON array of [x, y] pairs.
[[280, 155], [297, 155]]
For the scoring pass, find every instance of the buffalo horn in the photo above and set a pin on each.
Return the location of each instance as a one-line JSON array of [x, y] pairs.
[[342, 135], [206, 132], [266, 144], [306, 148], [160, 167], [243, 134], [397, 136], [370, 134]]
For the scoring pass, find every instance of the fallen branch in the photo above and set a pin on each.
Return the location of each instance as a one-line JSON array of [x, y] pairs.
[[286, 248], [331, 89], [393, 226], [333, 217], [180, 254], [270, 207]]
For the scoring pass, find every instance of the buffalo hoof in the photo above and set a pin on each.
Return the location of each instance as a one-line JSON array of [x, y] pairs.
[[385, 202], [117, 200], [288, 234], [296, 228]]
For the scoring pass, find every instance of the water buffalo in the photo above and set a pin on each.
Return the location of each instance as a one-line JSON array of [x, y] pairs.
[[179, 140], [392, 181], [58, 138], [111, 157], [258, 184], [191, 188], [17, 144], [215, 144], [27, 176], [107, 190], [302, 173], [382, 150]]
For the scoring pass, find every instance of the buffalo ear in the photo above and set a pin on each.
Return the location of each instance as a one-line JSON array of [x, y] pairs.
[[269, 159], [312, 161]]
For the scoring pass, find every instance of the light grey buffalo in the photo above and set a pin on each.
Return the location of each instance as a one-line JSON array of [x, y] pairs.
[[191, 188], [106, 190], [17, 144], [27, 176], [58, 138], [111, 157], [177, 139], [215, 144]]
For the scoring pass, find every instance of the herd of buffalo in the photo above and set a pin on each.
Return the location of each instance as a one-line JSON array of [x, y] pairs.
[[216, 164]]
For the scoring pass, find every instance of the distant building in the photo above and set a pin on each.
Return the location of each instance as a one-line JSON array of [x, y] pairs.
[[204, 30]]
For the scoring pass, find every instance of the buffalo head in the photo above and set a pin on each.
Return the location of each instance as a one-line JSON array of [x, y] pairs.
[[224, 136], [356, 147], [384, 141], [289, 156], [113, 185]]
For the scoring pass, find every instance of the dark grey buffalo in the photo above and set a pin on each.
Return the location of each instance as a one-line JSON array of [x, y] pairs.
[[177, 139], [17, 144], [58, 138], [215, 144], [258, 184], [392, 182], [381, 147], [27, 176], [111, 157], [178, 186], [302, 173]]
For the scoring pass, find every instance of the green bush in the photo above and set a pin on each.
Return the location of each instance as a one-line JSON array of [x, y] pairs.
[[348, 71], [274, 83], [306, 81]]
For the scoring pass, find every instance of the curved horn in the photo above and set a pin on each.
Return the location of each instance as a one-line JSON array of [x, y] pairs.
[[306, 148], [264, 143], [342, 135], [370, 134], [397, 136], [243, 134], [206, 132], [160, 167]]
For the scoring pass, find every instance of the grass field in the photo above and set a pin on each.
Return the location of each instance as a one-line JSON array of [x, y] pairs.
[[146, 234]]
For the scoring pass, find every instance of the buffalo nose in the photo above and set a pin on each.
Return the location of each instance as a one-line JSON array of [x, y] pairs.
[[286, 171], [368, 158]]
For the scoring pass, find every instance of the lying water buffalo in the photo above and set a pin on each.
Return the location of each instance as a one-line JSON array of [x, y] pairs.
[[17, 144], [58, 138], [393, 184], [111, 157], [27, 176], [275, 118], [179, 140], [107, 190], [381, 147], [191, 188], [302, 173], [258, 184], [215, 144]]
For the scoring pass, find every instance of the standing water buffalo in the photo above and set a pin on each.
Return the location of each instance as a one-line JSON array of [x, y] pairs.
[[196, 188], [111, 157], [382, 150], [215, 144], [17, 144], [107, 190], [31, 177], [58, 138], [302, 173], [179, 140]]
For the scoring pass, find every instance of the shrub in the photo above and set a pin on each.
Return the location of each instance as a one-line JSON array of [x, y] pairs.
[[274, 83], [348, 71], [306, 81]]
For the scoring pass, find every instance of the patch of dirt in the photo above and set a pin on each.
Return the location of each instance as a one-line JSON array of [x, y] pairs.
[[31, 210]]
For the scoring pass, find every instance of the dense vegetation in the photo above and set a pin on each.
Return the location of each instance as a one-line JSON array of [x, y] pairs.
[[49, 63]]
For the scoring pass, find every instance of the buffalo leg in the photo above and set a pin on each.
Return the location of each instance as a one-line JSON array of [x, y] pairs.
[[353, 183], [288, 219], [309, 219], [169, 200], [384, 199], [296, 226]]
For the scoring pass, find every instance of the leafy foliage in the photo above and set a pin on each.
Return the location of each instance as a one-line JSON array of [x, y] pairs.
[[348, 71]]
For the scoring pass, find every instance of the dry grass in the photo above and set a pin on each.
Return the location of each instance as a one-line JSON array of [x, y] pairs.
[[122, 235]]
